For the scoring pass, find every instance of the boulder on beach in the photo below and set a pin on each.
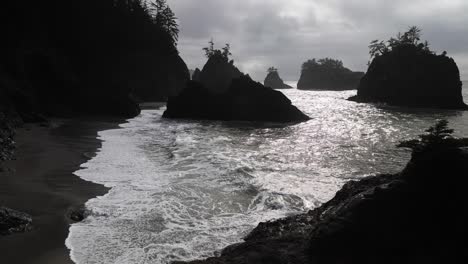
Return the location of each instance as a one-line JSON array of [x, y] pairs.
[[274, 81], [12, 221], [327, 74], [407, 73]]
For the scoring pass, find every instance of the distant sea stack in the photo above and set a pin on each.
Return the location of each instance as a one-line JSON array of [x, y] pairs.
[[327, 74], [405, 72], [196, 75], [225, 93], [274, 81]]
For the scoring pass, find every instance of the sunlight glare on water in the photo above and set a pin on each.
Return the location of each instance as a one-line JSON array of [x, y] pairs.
[[181, 190]]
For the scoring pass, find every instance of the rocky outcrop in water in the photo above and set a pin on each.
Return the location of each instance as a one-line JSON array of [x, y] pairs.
[[225, 93], [273, 80], [12, 221], [218, 73], [407, 73], [327, 74], [416, 216], [245, 100]]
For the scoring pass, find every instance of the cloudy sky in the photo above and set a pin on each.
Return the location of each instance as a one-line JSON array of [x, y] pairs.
[[285, 33]]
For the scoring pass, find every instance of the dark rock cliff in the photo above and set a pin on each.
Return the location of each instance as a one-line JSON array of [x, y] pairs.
[[274, 81], [411, 76], [218, 73]]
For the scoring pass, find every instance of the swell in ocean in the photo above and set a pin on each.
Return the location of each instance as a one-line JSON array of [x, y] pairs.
[[183, 190]]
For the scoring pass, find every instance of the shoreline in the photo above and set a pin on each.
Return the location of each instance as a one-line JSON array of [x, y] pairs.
[[40, 181]]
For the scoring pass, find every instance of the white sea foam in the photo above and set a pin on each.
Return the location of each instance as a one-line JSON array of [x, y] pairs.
[[182, 190]]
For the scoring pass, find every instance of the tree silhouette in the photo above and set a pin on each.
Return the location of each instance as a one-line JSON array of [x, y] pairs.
[[272, 70], [412, 37], [223, 53]]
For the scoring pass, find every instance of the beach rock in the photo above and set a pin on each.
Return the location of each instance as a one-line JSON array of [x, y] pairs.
[[12, 221], [327, 74], [416, 216], [410, 76], [78, 214], [274, 81], [245, 100]]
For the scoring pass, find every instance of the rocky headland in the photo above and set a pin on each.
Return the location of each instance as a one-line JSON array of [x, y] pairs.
[[273, 80], [327, 74], [416, 216], [405, 72]]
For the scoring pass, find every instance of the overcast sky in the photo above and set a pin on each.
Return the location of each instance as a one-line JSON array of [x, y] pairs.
[[285, 33]]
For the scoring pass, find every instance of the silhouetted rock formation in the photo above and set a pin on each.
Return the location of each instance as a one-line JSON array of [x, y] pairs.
[[154, 76], [12, 221], [274, 81], [196, 75], [218, 73], [327, 74], [244, 100], [409, 76], [99, 57], [406, 72], [416, 216]]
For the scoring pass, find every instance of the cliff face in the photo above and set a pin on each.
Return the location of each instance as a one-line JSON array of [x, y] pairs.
[[327, 74], [98, 58], [384, 219], [155, 76], [274, 81], [408, 76]]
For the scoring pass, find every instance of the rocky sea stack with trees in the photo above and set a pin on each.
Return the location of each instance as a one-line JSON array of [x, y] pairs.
[[273, 80], [404, 71], [327, 74], [389, 218], [223, 92]]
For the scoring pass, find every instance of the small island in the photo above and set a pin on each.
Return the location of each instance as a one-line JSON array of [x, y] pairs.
[[405, 72], [225, 93], [327, 74], [273, 80]]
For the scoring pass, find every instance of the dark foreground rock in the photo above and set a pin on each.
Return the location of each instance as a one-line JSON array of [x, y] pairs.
[[416, 216], [414, 77], [274, 81], [327, 74], [245, 100], [12, 221]]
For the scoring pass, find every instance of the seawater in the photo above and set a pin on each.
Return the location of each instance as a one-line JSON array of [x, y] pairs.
[[183, 190]]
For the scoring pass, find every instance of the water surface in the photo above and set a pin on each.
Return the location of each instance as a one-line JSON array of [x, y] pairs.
[[182, 190]]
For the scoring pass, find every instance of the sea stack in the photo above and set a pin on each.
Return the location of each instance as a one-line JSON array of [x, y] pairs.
[[327, 74], [225, 93], [407, 73], [273, 80]]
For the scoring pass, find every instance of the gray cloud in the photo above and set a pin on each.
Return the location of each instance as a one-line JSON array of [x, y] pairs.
[[286, 33]]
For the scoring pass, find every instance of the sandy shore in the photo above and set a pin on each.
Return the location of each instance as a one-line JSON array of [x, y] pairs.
[[40, 182]]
